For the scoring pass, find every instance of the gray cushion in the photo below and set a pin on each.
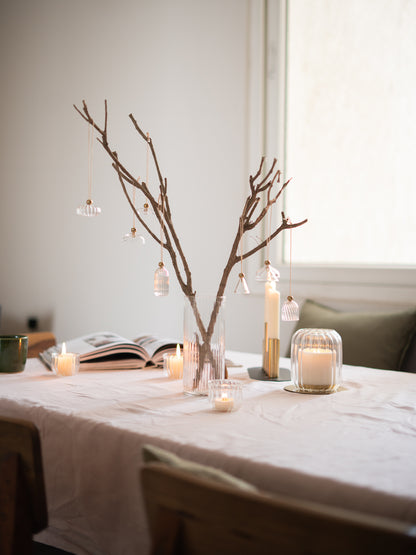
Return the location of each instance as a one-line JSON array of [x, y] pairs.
[[151, 453], [372, 339]]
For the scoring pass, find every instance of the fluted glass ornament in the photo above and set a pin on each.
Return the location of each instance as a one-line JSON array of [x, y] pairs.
[[241, 288], [267, 273], [290, 310], [88, 209], [133, 235], [161, 281]]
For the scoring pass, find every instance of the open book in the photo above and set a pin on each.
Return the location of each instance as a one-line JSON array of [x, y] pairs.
[[107, 350]]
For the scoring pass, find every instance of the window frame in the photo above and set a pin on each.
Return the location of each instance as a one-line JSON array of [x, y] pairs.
[[340, 285]]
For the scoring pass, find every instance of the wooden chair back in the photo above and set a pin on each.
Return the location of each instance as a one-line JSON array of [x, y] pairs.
[[190, 516], [23, 510], [39, 341]]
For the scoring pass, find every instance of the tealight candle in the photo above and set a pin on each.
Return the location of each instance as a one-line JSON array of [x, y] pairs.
[[174, 364], [65, 364], [224, 403], [225, 395]]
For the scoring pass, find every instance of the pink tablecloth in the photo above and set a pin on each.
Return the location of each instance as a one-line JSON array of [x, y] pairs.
[[354, 449]]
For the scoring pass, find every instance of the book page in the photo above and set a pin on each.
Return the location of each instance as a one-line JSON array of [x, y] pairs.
[[153, 344]]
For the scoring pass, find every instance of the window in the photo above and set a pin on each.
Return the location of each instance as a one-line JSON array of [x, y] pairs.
[[350, 131]]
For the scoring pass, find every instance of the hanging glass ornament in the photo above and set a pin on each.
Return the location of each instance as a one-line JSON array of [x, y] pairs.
[[88, 209], [134, 235], [290, 308], [161, 281], [267, 273], [241, 288], [145, 210]]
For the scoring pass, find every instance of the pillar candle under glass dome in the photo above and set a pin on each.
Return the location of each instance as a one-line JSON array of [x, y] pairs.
[[316, 360]]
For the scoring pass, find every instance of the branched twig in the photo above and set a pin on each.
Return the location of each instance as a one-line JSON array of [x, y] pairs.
[[267, 187]]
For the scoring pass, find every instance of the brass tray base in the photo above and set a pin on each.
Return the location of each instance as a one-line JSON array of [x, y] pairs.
[[292, 389]]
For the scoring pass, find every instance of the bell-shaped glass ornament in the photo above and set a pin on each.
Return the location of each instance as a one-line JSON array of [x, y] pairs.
[[88, 209], [290, 310], [133, 235], [267, 273], [241, 288], [161, 281]]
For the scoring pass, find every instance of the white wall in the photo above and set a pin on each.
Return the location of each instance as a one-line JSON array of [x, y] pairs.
[[181, 68], [191, 72]]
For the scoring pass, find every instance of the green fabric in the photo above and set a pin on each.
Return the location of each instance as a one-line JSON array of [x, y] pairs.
[[373, 339], [152, 453]]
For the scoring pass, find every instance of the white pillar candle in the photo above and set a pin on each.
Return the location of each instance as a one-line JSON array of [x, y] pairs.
[[272, 310], [316, 366]]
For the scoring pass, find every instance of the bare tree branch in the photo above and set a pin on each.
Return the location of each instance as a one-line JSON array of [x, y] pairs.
[[267, 187]]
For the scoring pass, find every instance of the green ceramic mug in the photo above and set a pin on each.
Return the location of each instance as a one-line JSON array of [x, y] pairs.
[[13, 353]]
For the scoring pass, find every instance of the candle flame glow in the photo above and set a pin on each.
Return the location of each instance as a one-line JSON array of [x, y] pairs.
[[178, 350], [63, 352]]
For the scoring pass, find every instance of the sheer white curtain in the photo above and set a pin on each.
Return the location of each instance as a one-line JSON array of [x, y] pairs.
[[351, 130]]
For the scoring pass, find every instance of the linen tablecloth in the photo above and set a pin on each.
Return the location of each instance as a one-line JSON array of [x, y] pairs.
[[354, 449]]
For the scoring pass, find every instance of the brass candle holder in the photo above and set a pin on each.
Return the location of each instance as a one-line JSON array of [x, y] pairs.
[[271, 354], [270, 368]]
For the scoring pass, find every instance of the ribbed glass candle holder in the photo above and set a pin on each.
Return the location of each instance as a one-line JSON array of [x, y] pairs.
[[65, 364], [316, 360], [225, 395]]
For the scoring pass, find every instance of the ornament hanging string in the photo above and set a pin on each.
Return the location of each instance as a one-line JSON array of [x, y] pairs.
[[290, 261], [162, 208], [90, 159], [241, 248], [269, 224]]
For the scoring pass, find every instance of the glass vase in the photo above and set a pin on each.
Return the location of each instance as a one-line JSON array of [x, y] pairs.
[[203, 342]]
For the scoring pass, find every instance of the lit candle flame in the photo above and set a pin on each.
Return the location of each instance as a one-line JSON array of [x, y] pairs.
[[178, 350], [63, 352]]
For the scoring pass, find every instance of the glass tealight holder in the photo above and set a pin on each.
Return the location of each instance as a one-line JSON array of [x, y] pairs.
[[316, 361], [173, 365], [65, 364], [225, 395]]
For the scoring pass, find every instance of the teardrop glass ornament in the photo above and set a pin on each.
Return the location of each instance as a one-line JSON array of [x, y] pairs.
[[267, 273], [241, 288], [133, 235], [290, 310], [161, 281], [88, 209]]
